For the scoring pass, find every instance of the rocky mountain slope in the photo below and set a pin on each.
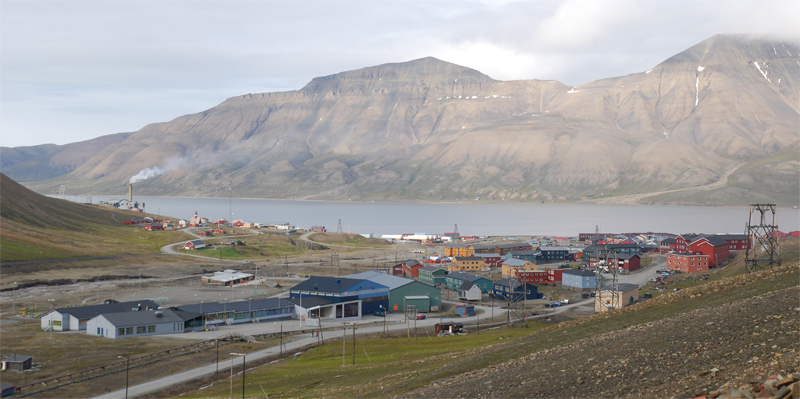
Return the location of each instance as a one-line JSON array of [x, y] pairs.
[[709, 351], [431, 130], [47, 161]]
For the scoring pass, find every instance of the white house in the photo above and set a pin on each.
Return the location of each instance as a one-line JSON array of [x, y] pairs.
[[127, 324], [75, 319], [469, 291]]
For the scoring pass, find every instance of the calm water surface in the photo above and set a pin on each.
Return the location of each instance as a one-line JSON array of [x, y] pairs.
[[472, 218]]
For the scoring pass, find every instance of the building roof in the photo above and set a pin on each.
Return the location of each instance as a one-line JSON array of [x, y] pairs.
[[196, 242], [392, 282], [228, 275], [515, 245], [553, 249], [625, 287], [667, 241], [431, 269], [508, 283], [466, 286], [128, 319], [484, 246], [489, 255], [456, 245], [87, 312], [713, 240], [515, 262], [521, 253], [326, 284], [464, 276], [310, 301], [238, 306], [468, 258], [578, 272], [17, 358]]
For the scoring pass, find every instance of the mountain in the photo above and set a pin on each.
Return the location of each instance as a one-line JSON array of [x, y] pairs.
[[47, 161], [722, 115]]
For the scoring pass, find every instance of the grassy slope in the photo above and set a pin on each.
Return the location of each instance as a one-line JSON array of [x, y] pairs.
[[35, 227], [398, 366]]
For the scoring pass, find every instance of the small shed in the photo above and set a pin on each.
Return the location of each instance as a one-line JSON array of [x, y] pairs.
[[448, 328], [7, 389], [17, 362], [465, 310]]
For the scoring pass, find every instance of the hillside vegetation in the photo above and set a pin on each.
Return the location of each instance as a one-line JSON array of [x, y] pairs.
[[35, 227]]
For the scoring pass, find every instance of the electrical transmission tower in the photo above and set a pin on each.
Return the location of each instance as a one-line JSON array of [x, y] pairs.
[[455, 230], [335, 262], [596, 230], [605, 291], [762, 249], [62, 191], [339, 227]]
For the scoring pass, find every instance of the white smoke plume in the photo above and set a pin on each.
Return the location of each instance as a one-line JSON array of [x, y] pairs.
[[145, 174], [171, 164]]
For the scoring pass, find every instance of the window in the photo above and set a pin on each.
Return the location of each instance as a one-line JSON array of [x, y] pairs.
[[121, 331], [128, 330], [98, 331], [55, 323], [141, 329]]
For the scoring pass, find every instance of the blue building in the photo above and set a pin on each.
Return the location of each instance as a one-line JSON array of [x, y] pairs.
[[465, 310], [515, 291], [456, 280], [368, 295], [578, 279]]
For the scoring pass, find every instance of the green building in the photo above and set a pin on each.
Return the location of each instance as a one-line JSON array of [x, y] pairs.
[[456, 280], [432, 275], [402, 291]]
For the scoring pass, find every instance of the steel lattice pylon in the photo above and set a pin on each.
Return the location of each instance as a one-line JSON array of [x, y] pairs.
[[611, 286], [763, 247]]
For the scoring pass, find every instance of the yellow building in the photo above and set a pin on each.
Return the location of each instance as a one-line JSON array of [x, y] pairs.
[[626, 294], [512, 266], [462, 250], [466, 264]]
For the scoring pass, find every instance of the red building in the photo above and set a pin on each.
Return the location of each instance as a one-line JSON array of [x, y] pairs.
[[532, 276], [687, 263], [397, 270], [153, 227], [554, 276], [716, 248], [736, 242], [410, 268], [318, 229], [682, 243], [491, 260]]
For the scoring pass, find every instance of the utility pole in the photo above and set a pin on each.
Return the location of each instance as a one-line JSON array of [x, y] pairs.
[[354, 344], [344, 338]]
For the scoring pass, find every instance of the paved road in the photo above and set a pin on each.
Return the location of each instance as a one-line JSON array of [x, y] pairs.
[[396, 322], [169, 250]]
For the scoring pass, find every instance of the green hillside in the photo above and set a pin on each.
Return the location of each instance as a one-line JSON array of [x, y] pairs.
[[35, 227]]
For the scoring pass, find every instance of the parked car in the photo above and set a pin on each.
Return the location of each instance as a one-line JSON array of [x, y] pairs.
[[381, 313], [556, 304], [565, 301], [584, 294], [648, 295], [421, 317]]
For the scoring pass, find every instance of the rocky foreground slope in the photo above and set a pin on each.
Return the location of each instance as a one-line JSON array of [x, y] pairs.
[[708, 351]]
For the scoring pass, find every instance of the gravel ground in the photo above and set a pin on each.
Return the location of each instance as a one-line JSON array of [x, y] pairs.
[[673, 357]]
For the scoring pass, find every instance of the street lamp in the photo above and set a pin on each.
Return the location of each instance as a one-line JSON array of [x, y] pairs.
[[127, 367], [244, 368]]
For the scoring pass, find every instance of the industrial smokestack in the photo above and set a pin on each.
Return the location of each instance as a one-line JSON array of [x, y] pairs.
[[130, 192]]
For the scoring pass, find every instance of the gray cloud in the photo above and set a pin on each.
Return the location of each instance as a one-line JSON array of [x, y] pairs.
[[75, 70]]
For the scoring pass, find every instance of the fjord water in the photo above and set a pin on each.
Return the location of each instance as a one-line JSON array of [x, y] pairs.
[[472, 218]]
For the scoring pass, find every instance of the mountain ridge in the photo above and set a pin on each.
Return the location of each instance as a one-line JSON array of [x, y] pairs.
[[427, 129]]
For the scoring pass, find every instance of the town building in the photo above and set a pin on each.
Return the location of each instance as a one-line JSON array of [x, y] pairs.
[[75, 319], [402, 291], [348, 298], [455, 281], [318, 229], [466, 264], [255, 310], [17, 362], [514, 291], [463, 250], [411, 268], [715, 247], [469, 292], [578, 279], [465, 310], [532, 276], [491, 260], [510, 267], [194, 244], [626, 294], [227, 278], [687, 263], [137, 324], [433, 275], [554, 275]]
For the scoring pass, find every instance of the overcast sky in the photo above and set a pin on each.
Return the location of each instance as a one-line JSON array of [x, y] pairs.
[[75, 70]]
